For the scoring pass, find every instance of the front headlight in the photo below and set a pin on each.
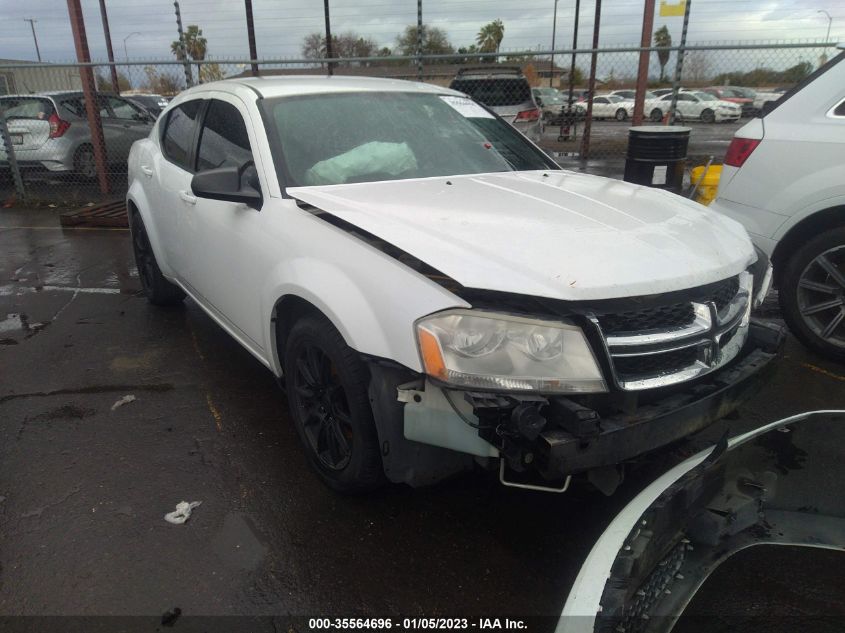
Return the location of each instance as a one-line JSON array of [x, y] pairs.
[[483, 350]]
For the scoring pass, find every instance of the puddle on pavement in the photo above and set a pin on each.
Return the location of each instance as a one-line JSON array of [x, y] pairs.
[[236, 543]]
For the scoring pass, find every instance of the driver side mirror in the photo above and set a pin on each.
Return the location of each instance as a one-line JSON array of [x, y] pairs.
[[230, 184]]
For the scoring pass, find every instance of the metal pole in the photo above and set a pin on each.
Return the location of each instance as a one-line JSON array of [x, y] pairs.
[[574, 48], [250, 36], [826, 37], [86, 74], [32, 22], [10, 153], [105, 17], [679, 66], [189, 77], [642, 71], [585, 141], [552, 56], [329, 53], [419, 40]]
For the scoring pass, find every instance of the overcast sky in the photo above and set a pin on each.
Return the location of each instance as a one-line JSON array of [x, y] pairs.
[[150, 25]]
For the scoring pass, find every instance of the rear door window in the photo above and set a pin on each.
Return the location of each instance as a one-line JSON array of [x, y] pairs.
[[178, 135], [224, 141], [26, 108], [123, 109]]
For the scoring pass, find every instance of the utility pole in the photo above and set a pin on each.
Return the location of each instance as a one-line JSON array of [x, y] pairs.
[[585, 141], [105, 17], [250, 36], [86, 74], [32, 22], [189, 78], [419, 40], [552, 60], [679, 67], [329, 53], [826, 37], [574, 48], [642, 71]]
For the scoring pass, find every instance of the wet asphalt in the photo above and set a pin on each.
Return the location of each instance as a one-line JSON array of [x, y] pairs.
[[84, 487]]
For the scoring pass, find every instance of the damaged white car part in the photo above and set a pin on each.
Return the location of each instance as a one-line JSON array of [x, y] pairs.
[[434, 291], [777, 485]]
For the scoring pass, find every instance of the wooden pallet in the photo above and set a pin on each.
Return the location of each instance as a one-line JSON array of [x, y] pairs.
[[109, 214]]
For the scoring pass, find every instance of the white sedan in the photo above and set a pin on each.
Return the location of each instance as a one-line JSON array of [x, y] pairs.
[[694, 106], [612, 107]]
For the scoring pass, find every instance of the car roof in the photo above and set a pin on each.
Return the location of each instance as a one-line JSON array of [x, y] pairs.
[[284, 86]]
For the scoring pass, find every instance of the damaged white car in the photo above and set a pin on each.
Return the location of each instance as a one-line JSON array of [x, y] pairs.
[[434, 291]]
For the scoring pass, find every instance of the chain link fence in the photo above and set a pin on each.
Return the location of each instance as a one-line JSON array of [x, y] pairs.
[[48, 139]]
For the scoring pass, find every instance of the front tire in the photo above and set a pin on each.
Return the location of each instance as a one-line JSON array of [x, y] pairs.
[[708, 116], [326, 385], [812, 293], [621, 114], [656, 115], [156, 288]]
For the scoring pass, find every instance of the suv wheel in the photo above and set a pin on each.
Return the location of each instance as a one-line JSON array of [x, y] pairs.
[[157, 289], [326, 385], [812, 294]]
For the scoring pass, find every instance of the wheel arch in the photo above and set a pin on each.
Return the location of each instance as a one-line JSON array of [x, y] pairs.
[[136, 202], [803, 230]]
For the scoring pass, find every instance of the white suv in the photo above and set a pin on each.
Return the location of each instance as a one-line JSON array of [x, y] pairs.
[[434, 291], [784, 179]]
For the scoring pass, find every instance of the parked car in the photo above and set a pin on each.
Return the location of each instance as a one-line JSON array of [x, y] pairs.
[[153, 103], [49, 131], [553, 104], [659, 92], [506, 91], [761, 99], [612, 107], [733, 95], [434, 291], [697, 106], [630, 95], [784, 179]]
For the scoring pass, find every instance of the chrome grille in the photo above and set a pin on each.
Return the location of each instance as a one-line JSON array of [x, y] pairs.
[[665, 345]]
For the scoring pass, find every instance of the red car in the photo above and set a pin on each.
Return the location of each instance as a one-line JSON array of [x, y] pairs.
[[734, 95]]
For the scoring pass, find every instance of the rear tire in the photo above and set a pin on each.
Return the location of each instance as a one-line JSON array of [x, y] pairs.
[[327, 393], [656, 115], [621, 114], [156, 288], [814, 277], [84, 163]]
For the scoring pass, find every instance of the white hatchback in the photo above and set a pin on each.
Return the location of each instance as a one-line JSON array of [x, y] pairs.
[[784, 179]]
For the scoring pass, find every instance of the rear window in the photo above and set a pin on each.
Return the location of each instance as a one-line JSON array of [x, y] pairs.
[[178, 133], [26, 108], [495, 91]]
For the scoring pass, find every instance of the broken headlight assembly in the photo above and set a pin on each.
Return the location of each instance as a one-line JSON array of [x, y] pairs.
[[483, 350]]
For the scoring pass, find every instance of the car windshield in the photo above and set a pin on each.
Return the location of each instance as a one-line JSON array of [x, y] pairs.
[[496, 91], [371, 136], [26, 108]]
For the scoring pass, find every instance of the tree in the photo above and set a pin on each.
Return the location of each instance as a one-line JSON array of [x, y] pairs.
[[158, 83], [490, 37], [345, 45], [663, 40], [435, 41], [211, 72], [697, 67], [104, 83], [196, 46]]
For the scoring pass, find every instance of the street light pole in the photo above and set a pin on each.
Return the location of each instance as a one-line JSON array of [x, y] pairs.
[[125, 53], [829, 22], [32, 22], [552, 60]]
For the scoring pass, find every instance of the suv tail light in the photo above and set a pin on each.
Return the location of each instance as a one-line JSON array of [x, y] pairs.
[[57, 126], [528, 115], [739, 150]]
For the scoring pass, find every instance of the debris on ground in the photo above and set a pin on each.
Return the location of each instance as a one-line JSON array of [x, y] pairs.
[[182, 512], [124, 400], [169, 618]]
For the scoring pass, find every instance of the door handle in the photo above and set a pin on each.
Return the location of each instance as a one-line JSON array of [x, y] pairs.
[[187, 198], [146, 171]]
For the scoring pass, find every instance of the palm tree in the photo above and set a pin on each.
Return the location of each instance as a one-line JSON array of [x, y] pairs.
[[663, 40], [490, 37], [196, 45]]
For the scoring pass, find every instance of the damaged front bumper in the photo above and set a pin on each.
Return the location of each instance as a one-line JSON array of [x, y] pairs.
[[557, 436]]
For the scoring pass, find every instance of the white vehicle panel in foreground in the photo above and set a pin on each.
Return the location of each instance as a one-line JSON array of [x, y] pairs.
[[553, 234]]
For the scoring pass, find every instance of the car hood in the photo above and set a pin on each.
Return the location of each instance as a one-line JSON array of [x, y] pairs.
[[554, 234]]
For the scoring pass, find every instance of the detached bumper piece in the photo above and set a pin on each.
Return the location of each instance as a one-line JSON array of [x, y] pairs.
[[558, 436]]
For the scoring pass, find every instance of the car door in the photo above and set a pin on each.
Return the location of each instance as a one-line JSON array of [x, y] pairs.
[[600, 107], [172, 169], [689, 106], [225, 262], [128, 121]]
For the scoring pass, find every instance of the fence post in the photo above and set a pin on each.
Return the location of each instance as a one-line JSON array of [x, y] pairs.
[[642, 70], [109, 51], [10, 154], [86, 74], [250, 36], [679, 66], [189, 78], [588, 122], [419, 40]]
